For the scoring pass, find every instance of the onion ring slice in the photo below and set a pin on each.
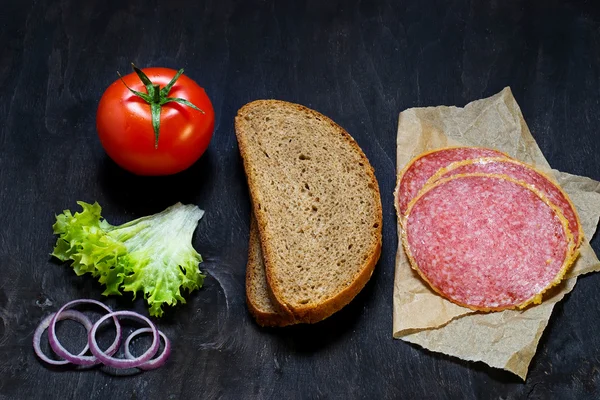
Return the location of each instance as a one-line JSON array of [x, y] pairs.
[[67, 314], [156, 362], [107, 358], [80, 359]]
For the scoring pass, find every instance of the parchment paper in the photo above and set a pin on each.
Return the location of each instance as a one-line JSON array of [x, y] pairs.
[[506, 339]]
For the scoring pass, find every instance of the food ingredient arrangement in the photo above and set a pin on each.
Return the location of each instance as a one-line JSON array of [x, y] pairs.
[[480, 228], [151, 133]]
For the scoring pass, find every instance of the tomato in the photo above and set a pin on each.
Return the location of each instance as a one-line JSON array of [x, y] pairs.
[[125, 129]]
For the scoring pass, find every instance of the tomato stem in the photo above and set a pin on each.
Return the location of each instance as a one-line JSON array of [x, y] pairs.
[[157, 97]]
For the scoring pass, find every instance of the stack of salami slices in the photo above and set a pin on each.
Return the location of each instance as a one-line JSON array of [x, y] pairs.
[[484, 230]]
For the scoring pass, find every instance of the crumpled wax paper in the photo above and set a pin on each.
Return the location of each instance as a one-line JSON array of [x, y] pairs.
[[506, 339]]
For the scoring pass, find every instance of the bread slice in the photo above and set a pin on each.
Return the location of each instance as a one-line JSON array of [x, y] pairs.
[[258, 297], [317, 205]]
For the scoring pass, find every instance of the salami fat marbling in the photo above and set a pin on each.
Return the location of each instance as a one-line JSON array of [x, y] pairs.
[[524, 173], [487, 242]]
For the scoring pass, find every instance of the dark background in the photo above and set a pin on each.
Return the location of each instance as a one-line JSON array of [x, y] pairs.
[[360, 63]]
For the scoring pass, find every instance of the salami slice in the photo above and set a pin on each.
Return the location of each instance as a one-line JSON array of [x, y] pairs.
[[421, 168], [524, 173], [487, 242]]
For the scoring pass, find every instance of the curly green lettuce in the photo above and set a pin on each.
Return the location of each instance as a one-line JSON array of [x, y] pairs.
[[151, 254]]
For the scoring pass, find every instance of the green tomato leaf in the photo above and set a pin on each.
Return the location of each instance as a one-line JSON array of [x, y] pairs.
[[180, 101], [143, 96], [145, 80], [164, 92], [155, 108]]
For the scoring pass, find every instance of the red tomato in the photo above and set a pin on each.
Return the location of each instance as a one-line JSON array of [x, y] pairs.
[[124, 124]]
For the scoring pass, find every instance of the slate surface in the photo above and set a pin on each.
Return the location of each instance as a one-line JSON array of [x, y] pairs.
[[360, 63]]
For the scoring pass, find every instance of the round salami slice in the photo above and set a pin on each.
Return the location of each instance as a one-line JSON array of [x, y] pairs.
[[487, 242], [421, 168], [524, 173]]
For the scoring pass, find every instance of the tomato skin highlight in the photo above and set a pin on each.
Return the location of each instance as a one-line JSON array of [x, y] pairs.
[[124, 125]]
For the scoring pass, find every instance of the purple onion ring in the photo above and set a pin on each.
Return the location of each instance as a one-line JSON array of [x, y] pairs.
[[67, 314], [80, 359], [158, 361], [106, 358]]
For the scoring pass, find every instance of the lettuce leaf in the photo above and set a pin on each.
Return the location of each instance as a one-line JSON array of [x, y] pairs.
[[152, 254]]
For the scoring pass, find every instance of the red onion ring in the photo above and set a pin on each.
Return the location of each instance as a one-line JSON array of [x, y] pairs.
[[80, 359], [106, 358], [158, 361], [67, 314]]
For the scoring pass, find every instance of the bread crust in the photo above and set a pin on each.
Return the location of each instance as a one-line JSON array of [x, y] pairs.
[[313, 312], [262, 317]]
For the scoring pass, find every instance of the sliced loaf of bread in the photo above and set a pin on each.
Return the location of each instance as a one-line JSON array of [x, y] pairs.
[[317, 205]]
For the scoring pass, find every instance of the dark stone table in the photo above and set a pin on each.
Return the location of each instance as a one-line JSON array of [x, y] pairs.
[[360, 63]]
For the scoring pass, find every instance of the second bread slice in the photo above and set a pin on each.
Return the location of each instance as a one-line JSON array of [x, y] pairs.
[[258, 296], [317, 204]]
